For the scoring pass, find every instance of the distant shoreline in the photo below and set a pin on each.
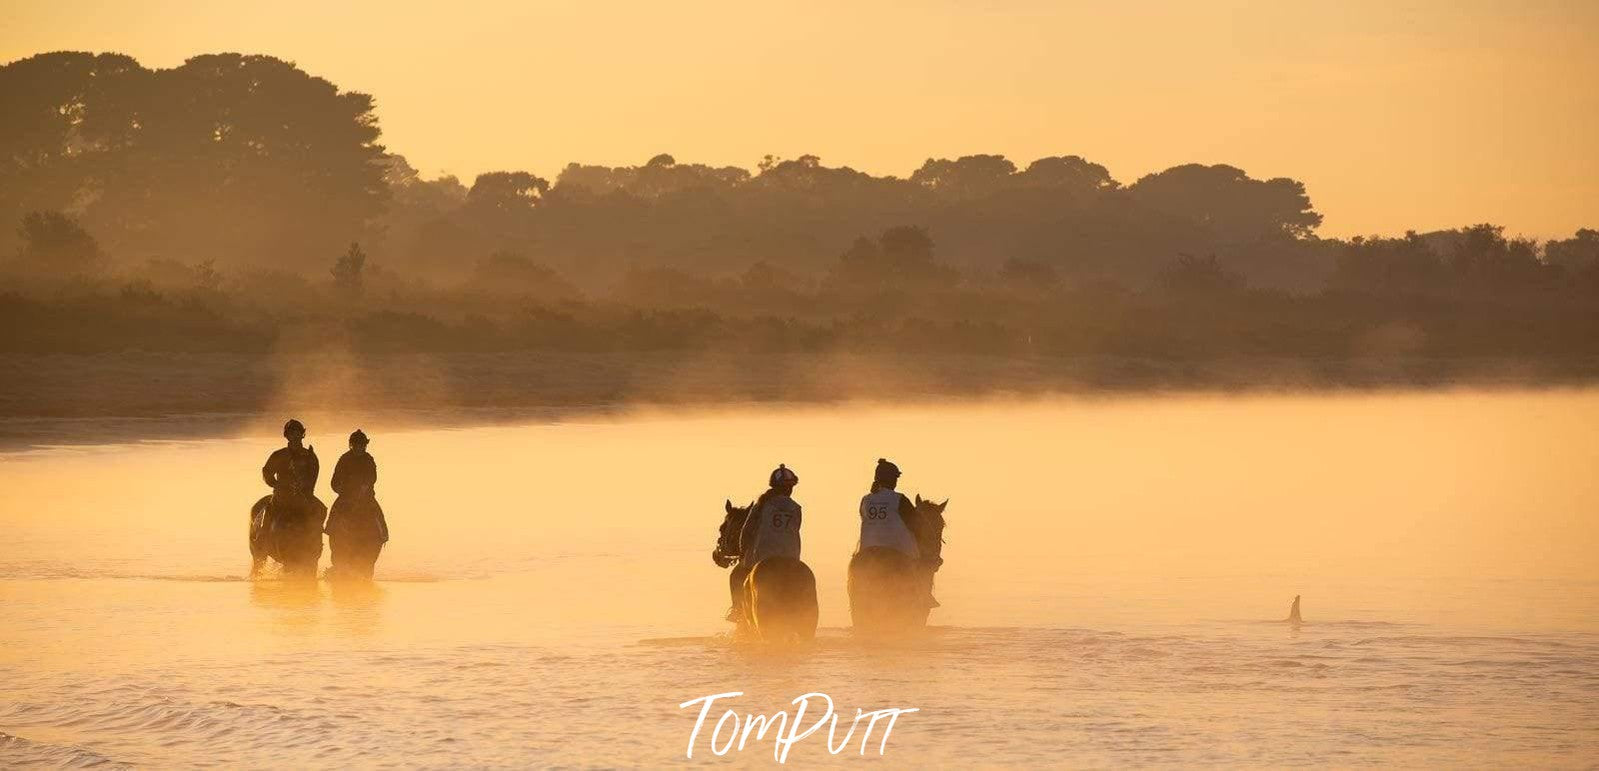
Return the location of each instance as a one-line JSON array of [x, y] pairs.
[[75, 399]]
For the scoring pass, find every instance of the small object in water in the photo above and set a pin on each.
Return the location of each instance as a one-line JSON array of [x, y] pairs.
[[1293, 613]]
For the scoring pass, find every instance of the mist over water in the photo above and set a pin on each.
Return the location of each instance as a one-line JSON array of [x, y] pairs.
[[1114, 572]]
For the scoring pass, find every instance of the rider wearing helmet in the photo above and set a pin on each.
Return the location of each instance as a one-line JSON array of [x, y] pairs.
[[293, 510], [889, 520], [356, 526], [292, 470], [886, 513], [772, 529]]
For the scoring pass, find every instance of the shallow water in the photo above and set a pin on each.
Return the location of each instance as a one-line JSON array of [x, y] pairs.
[[1114, 572]]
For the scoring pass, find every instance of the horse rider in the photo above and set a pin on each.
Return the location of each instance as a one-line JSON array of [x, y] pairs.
[[772, 529], [356, 526], [889, 519], [292, 470]]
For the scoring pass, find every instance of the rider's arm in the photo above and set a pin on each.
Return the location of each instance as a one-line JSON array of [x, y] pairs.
[[268, 473], [340, 471]]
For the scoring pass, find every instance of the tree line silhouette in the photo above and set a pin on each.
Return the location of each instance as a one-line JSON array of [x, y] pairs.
[[233, 201]]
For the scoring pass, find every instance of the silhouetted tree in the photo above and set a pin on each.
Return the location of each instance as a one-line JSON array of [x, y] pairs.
[[1577, 254], [1228, 203], [1069, 174], [902, 256], [966, 178], [245, 157], [422, 197], [65, 114], [1577, 257], [661, 176], [1483, 259], [506, 192], [501, 204], [348, 270], [206, 276], [1379, 264], [248, 160], [173, 275], [55, 244]]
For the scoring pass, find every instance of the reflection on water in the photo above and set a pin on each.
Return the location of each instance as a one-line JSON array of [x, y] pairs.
[[1116, 574], [342, 607], [359, 607], [286, 594]]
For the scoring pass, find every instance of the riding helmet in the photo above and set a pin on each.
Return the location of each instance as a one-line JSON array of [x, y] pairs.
[[782, 476], [886, 471], [293, 427], [359, 437]]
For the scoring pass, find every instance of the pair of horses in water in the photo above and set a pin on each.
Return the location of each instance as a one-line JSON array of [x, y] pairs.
[[889, 591], [287, 529]]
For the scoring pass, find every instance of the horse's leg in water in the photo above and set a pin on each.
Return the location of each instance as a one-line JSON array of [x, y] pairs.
[[369, 560], [305, 553], [735, 586], [341, 557], [805, 609], [924, 591], [852, 589]]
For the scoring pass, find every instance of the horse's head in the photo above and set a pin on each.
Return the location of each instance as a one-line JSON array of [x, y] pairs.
[[930, 533], [727, 546]]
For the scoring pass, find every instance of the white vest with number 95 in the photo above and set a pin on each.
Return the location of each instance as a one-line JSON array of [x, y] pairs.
[[881, 524]]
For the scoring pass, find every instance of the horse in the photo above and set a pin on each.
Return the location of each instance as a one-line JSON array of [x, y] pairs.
[[290, 534], [888, 589], [778, 593]]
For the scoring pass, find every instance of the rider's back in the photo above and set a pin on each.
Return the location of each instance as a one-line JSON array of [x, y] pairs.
[[773, 529], [883, 522], [356, 473]]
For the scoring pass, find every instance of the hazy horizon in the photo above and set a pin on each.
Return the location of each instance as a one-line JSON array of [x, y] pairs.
[[1420, 115]]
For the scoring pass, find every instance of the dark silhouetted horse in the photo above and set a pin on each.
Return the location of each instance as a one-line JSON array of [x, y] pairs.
[[888, 589], [290, 534], [779, 593]]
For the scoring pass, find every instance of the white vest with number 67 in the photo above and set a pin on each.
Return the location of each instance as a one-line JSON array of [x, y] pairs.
[[776, 531], [881, 524]]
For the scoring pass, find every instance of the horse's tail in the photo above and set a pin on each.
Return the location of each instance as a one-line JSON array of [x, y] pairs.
[[781, 598], [259, 548], [258, 509]]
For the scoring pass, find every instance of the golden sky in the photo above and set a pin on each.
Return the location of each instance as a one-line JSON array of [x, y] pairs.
[[1395, 114]]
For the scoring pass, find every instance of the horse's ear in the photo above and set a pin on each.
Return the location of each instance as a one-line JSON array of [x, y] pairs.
[[942, 506], [918, 499], [727, 503]]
